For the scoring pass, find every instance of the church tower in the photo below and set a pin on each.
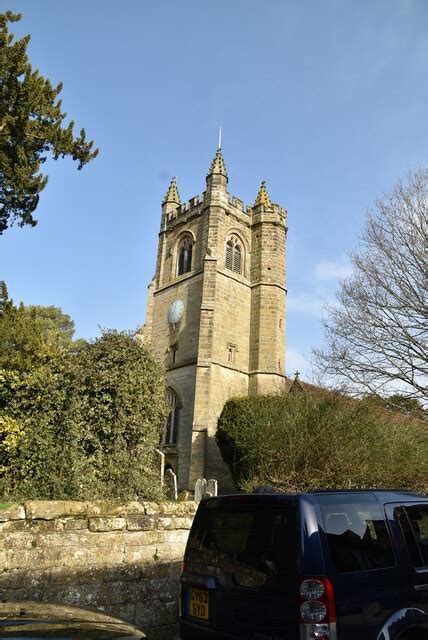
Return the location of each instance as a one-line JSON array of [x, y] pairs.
[[215, 315]]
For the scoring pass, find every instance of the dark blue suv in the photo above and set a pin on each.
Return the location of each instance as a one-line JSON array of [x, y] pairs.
[[325, 565]]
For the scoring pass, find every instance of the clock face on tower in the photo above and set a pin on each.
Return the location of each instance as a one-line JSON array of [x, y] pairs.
[[175, 311]]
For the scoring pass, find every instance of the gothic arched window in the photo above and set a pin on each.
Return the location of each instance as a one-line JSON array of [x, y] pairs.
[[185, 250], [234, 255], [173, 419]]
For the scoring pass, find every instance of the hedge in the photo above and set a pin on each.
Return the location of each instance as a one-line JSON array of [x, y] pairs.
[[318, 439]]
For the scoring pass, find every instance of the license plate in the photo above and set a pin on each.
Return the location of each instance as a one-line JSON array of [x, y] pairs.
[[199, 604]]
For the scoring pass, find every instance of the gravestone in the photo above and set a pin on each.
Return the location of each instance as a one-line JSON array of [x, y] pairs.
[[161, 465], [205, 488], [200, 489], [212, 486], [170, 483]]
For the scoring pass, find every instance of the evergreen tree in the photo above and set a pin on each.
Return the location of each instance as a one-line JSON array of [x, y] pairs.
[[31, 127], [5, 302], [31, 336], [54, 324]]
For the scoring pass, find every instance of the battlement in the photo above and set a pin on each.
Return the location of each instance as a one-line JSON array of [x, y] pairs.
[[276, 208], [266, 213], [236, 202], [236, 206], [280, 210], [193, 202], [191, 207], [254, 214]]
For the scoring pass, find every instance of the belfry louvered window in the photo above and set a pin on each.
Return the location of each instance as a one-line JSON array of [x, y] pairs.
[[173, 419], [237, 259], [234, 255], [229, 254], [185, 250]]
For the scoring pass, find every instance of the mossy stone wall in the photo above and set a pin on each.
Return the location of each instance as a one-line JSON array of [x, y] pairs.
[[123, 559]]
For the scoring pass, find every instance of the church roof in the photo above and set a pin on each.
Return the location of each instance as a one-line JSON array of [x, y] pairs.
[[296, 385], [263, 196], [217, 165], [172, 193]]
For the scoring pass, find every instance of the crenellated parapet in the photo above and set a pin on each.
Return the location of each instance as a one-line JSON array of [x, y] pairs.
[[235, 206], [270, 214], [175, 212], [193, 202], [184, 211], [179, 213], [236, 202]]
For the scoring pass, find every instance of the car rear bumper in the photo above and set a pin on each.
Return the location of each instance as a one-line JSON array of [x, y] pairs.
[[189, 631]]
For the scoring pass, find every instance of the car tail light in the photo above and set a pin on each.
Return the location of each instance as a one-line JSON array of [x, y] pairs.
[[317, 611], [313, 611], [311, 589]]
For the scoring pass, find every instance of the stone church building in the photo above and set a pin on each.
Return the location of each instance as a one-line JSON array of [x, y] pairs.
[[215, 314]]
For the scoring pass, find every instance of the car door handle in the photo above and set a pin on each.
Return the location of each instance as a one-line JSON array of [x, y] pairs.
[[421, 587]]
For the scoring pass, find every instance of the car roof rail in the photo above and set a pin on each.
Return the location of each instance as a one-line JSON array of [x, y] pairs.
[[365, 489], [264, 490]]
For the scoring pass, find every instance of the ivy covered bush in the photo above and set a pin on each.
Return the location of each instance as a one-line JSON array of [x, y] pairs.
[[83, 424], [317, 439]]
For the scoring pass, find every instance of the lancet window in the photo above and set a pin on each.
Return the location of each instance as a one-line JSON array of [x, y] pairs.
[[234, 255], [173, 419], [185, 251]]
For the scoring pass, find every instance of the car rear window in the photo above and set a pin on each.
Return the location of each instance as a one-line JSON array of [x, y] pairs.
[[255, 544], [414, 524], [418, 516], [357, 534]]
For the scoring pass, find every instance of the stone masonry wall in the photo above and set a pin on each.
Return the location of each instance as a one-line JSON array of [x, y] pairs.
[[123, 559]]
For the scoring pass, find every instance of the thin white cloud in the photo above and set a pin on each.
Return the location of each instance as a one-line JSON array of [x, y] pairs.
[[329, 270], [309, 304]]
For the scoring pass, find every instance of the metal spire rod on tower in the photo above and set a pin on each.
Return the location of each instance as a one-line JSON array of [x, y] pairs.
[[219, 138]]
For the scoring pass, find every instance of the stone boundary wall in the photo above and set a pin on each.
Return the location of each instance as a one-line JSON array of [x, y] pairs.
[[123, 559]]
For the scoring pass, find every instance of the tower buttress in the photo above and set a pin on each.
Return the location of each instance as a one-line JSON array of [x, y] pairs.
[[267, 341], [215, 199], [170, 205]]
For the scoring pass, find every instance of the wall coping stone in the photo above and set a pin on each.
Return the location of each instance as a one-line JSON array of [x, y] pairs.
[[94, 511], [51, 509], [14, 512]]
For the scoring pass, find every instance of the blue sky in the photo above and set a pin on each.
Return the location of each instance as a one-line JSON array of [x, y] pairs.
[[325, 100]]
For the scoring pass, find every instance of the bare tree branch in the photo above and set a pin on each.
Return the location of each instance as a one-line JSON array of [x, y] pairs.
[[376, 332]]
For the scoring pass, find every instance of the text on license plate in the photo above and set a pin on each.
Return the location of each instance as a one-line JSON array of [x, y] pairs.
[[199, 604]]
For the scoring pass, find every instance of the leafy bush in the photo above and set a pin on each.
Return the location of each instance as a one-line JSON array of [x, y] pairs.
[[304, 441], [90, 420], [11, 434]]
